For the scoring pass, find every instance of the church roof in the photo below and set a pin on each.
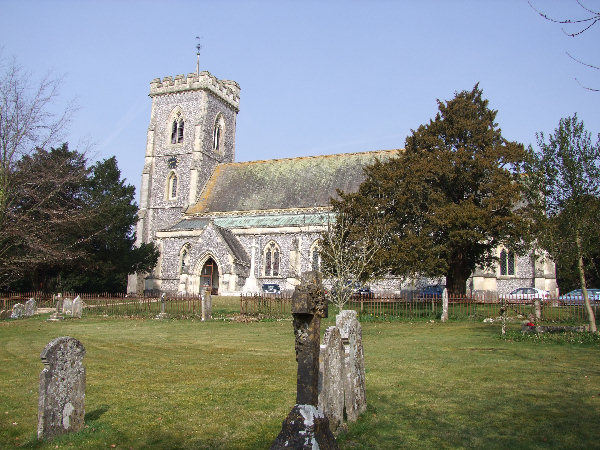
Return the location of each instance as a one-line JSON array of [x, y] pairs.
[[283, 184]]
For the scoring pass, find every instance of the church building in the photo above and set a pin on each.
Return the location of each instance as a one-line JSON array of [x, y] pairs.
[[234, 226]]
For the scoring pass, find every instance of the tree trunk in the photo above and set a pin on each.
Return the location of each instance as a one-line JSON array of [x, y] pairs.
[[586, 298], [456, 279]]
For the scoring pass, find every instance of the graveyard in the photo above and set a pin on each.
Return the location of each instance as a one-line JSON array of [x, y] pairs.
[[229, 383]]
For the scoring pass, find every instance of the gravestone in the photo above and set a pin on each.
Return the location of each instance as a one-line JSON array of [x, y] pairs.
[[306, 427], [163, 301], [61, 403], [206, 305], [18, 311], [445, 305], [5, 314], [68, 307], [355, 399], [77, 308], [58, 315], [30, 308], [331, 377]]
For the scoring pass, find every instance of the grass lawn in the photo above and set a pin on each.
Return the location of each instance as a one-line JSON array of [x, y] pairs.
[[221, 384]]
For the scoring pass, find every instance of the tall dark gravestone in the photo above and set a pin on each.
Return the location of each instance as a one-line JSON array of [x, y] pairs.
[[306, 427]]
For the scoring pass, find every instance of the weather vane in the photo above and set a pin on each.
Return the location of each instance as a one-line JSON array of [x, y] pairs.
[[198, 48]]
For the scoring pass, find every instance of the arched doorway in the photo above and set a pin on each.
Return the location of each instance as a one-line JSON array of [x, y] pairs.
[[209, 276]]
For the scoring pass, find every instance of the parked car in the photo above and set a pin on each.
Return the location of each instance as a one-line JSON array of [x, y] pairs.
[[271, 288], [575, 297], [432, 291], [527, 293], [363, 291]]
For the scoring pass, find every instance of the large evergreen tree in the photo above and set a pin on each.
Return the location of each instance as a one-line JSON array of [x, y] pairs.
[[110, 254], [450, 199]]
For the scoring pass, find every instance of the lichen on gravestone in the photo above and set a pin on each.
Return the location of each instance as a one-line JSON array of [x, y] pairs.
[[61, 402], [18, 311]]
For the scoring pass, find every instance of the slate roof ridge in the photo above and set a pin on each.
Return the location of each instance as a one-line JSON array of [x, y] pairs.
[[297, 158]]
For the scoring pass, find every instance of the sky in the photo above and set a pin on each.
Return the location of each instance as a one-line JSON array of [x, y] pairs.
[[316, 77]]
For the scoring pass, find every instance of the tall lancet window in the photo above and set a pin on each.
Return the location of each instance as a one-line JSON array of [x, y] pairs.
[[172, 186], [177, 129], [507, 262], [271, 260], [219, 134]]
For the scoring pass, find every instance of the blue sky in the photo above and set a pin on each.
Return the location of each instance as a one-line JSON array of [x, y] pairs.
[[316, 77]]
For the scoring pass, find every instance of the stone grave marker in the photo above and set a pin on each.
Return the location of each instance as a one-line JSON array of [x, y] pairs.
[[68, 306], [355, 399], [5, 314], [162, 314], [61, 403], [306, 427], [30, 308], [206, 305], [58, 315], [331, 377], [77, 308], [18, 311], [444, 317]]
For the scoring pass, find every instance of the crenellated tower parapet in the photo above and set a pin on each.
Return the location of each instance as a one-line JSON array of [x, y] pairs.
[[226, 90]]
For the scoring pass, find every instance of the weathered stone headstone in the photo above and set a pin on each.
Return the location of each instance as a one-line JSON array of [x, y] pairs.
[[306, 427], [355, 399], [162, 314], [61, 404], [30, 308], [331, 377], [68, 306], [5, 314], [444, 305], [206, 305], [77, 308], [18, 311], [58, 315]]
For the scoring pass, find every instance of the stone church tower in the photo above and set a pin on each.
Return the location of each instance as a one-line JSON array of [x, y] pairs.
[[191, 131]]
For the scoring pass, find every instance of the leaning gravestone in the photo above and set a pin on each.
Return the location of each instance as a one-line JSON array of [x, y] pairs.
[[331, 377], [355, 398], [61, 404], [30, 308], [5, 314], [306, 427], [77, 308], [18, 311], [68, 306]]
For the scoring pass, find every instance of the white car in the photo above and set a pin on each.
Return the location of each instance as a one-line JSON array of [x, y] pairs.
[[527, 293]]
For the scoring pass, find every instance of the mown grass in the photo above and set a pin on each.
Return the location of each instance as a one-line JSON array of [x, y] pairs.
[[223, 384]]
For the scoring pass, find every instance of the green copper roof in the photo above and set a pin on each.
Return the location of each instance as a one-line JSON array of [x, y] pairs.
[[255, 221], [281, 184]]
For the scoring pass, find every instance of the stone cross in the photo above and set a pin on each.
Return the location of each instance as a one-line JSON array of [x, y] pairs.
[[309, 305], [61, 404], [306, 427]]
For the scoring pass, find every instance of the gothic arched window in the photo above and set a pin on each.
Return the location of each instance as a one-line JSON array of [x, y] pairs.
[[507, 262], [172, 186], [271, 260], [184, 258], [177, 129], [219, 134]]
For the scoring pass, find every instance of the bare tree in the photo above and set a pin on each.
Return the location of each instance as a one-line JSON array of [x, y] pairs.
[[581, 26], [347, 258], [27, 119]]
